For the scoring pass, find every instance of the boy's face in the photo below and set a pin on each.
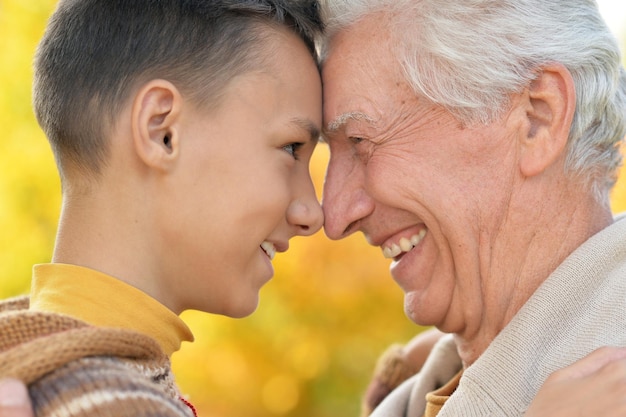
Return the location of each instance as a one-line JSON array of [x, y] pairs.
[[243, 188]]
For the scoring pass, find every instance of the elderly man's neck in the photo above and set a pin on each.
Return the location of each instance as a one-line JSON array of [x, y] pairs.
[[522, 252]]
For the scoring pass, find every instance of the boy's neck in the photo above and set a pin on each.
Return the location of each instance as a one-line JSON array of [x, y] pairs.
[[109, 235]]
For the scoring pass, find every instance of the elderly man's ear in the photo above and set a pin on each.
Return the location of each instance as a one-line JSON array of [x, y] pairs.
[[550, 101]]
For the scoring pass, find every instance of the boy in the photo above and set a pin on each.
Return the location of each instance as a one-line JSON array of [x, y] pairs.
[[182, 138]]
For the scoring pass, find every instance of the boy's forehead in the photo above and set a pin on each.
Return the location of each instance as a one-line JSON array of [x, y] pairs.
[[281, 87], [308, 126], [266, 98]]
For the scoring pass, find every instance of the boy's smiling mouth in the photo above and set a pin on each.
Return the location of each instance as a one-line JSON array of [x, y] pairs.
[[269, 249]]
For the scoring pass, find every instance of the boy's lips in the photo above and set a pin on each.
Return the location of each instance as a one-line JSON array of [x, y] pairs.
[[269, 249]]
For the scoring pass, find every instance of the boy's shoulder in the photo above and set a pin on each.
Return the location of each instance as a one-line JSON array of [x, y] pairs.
[[13, 304], [111, 386], [76, 363]]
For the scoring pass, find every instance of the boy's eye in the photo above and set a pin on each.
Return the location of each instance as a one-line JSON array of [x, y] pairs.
[[292, 149]]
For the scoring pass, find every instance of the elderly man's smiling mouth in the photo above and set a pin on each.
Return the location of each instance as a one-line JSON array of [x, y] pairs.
[[402, 243]]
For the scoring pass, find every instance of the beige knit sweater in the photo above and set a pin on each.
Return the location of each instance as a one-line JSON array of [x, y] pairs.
[[74, 369]]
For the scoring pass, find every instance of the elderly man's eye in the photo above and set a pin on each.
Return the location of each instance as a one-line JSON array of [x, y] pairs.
[[355, 139]]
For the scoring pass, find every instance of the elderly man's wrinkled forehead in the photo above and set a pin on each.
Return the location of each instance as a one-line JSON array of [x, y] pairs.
[[379, 21], [358, 63]]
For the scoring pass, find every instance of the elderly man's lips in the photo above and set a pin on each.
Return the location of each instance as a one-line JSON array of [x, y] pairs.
[[407, 268]]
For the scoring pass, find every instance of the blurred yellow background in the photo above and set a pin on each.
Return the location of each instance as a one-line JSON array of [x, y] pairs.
[[309, 349]]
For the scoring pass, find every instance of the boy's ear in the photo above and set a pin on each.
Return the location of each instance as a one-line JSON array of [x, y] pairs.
[[155, 122], [550, 104]]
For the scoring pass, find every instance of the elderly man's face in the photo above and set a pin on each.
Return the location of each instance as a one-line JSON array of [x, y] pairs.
[[428, 191]]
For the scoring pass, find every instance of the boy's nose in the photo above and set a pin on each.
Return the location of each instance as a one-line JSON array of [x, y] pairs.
[[305, 213]]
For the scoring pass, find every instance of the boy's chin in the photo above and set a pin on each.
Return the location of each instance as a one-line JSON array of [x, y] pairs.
[[244, 309]]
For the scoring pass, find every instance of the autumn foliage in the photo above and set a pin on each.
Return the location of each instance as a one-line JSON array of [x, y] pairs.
[[309, 349]]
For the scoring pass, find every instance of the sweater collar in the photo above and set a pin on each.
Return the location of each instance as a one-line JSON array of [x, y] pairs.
[[104, 301]]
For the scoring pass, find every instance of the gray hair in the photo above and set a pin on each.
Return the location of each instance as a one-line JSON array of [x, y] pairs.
[[469, 56]]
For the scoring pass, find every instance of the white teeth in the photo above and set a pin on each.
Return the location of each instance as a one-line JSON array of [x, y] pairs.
[[392, 252], [416, 239], [404, 245], [269, 249]]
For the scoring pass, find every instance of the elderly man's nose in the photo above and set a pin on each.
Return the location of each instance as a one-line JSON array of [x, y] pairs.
[[344, 203]]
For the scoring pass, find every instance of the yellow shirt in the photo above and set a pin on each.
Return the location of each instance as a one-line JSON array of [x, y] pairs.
[[104, 301], [436, 399]]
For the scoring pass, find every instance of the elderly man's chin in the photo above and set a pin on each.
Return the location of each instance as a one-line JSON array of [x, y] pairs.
[[424, 310], [427, 294]]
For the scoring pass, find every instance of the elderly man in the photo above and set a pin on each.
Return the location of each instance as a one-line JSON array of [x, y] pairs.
[[476, 142]]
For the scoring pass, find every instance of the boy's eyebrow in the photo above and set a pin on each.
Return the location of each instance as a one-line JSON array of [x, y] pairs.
[[305, 124]]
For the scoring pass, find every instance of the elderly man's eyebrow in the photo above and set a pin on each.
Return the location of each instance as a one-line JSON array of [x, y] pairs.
[[307, 125], [342, 119]]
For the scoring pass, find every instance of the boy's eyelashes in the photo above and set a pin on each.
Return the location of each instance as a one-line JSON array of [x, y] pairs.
[[293, 148]]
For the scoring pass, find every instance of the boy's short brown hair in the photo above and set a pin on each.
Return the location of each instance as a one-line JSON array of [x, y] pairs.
[[94, 54]]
